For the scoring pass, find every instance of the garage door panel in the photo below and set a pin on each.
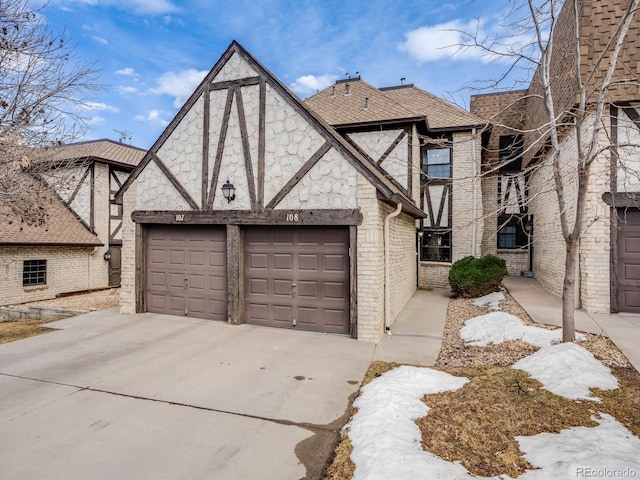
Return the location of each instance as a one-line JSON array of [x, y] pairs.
[[283, 313], [283, 287], [632, 245], [632, 298], [217, 259], [177, 257], [197, 282], [335, 290], [283, 261], [258, 260], [308, 262], [335, 263], [258, 286], [334, 318], [308, 316], [284, 256], [186, 271], [197, 258], [308, 288]]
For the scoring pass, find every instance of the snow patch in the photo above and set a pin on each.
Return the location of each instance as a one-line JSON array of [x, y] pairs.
[[568, 370], [497, 327], [606, 451], [386, 440], [491, 301]]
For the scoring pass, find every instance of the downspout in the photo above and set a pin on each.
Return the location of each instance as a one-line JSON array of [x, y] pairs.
[[387, 272], [474, 208]]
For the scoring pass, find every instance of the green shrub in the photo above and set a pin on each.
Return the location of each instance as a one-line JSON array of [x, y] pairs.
[[474, 277]]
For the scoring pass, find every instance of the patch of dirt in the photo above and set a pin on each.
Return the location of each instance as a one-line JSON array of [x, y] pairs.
[[98, 300], [12, 331]]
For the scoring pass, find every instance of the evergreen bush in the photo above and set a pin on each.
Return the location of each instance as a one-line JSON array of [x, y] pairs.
[[474, 277]]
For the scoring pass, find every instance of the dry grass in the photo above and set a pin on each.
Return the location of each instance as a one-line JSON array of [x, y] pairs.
[[477, 424], [12, 331]]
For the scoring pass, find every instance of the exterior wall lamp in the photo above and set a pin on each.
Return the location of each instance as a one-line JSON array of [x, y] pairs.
[[107, 255], [229, 191]]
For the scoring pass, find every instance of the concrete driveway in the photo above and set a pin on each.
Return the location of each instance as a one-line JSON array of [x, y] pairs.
[[158, 397]]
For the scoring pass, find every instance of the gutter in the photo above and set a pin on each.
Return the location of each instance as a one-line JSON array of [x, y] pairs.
[[387, 273]]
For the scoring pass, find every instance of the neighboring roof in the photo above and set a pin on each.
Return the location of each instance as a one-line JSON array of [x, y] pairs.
[[441, 115], [61, 227], [387, 190], [107, 151], [354, 101], [362, 103]]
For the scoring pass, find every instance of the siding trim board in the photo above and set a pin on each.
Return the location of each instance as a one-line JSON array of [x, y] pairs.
[[248, 217]]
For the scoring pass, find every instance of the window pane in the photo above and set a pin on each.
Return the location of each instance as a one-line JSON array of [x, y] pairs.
[[34, 272], [436, 162], [512, 233], [436, 246]]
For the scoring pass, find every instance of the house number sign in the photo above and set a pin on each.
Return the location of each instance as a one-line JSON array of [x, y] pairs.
[[292, 217]]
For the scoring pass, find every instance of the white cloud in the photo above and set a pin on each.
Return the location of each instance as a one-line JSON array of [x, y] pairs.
[[445, 40], [99, 106], [95, 121], [311, 83], [128, 72], [127, 90], [155, 116], [101, 40], [179, 85], [135, 6]]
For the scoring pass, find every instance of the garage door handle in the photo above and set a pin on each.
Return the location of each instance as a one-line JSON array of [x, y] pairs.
[[186, 283], [293, 289]]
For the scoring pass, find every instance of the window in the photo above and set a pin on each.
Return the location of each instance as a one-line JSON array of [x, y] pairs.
[[436, 162], [511, 233], [436, 246], [34, 272], [511, 149]]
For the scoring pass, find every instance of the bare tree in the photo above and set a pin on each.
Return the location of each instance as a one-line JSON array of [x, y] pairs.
[[42, 92], [567, 100]]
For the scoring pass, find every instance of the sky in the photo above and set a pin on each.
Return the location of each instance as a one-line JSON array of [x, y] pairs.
[[152, 54]]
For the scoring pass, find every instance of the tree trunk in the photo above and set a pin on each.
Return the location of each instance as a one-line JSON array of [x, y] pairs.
[[569, 292]]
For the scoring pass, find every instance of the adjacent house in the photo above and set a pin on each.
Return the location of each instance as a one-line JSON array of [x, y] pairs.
[[429, 149], [518, 182], [78, 247]]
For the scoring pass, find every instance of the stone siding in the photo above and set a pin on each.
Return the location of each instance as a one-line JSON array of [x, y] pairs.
[[68, 270], [370, 264], [129, 254], [593, 285], [434, 274]]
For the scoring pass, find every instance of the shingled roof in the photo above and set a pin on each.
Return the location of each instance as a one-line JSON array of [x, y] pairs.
[[61, 227], [108, 151], [441, 115], [355, 102]]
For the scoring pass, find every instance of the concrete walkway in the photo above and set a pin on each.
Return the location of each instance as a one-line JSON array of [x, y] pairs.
[[544, 307], [416, 335]]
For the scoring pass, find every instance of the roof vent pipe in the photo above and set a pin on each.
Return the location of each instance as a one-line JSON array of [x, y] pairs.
[[333, 91], [346, 89], [366, 102], [402, 80]]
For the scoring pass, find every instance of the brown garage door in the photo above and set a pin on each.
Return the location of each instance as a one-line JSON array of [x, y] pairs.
[[186, 271], [629, 261], [297, 278]]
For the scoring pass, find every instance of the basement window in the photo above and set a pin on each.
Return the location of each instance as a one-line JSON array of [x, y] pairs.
[[34, 272]]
